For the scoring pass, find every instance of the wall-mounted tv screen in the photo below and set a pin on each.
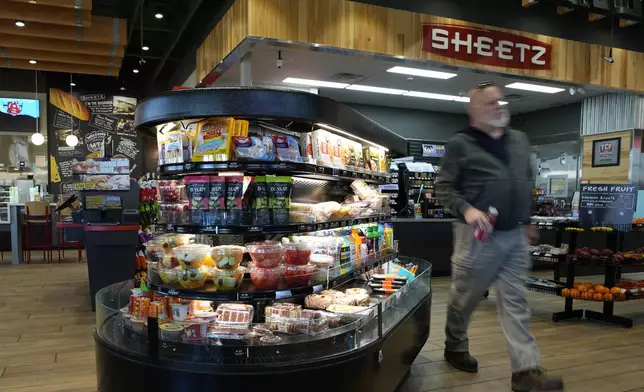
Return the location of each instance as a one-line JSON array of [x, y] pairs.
[[18, 114]]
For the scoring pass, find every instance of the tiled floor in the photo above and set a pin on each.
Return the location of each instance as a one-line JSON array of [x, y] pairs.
[[46, 342]]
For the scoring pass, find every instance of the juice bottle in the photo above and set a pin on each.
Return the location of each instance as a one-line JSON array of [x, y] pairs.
[[356, 241]]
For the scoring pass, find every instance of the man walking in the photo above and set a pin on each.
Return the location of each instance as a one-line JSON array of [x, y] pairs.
[[488, 165]]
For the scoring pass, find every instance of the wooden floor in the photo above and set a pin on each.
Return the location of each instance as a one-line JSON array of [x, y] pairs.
[[46, 340]]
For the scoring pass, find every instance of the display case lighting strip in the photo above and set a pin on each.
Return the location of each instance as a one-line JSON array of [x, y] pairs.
[[535, 87], [422, 72], [345, 133]]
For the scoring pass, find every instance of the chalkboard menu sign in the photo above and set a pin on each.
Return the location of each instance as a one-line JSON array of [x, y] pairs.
[[607, 204], [104, 127]]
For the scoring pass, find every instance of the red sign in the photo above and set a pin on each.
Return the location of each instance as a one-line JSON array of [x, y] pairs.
[[14, 108], [606, 147], [489, 47]]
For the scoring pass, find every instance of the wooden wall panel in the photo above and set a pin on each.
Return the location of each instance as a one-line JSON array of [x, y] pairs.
[[45, 14], [84, 4], [102, 30], [369, 28], [228, 33], [607, 174]]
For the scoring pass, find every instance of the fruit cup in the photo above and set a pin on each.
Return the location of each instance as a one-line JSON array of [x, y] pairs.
[[191, 256], [298, 275], [297, 254], [227, 257], [169, 275], [193, 278], [227, 279], [266, 278], [267, 254]]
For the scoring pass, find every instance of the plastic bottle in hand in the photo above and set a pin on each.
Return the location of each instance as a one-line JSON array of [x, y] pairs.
[[483, 232]]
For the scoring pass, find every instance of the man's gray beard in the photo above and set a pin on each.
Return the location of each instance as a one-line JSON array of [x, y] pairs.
[[500, 122]]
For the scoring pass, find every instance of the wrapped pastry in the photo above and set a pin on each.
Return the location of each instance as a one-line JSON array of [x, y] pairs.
[[355, 291], [318, 301], [360, 299], [333, 293]]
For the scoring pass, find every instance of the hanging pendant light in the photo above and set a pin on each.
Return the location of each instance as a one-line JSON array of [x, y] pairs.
[[71, 140], [37, 138]]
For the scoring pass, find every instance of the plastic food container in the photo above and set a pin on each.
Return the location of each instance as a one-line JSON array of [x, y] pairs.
[[191, 256], [227, 257], [193, 278], [266, 254], [266, 278], [298, 275], [169, 275], [228, 313], [180, 310], [171, 332], [227, 280], [154, 251], [297, 254]]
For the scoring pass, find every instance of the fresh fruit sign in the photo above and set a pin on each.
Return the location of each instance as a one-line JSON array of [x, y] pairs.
[[485, 46], [607, 204]]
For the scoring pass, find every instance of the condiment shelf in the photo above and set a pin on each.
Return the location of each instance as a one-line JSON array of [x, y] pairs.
[[248, 293], [270, 229], [263, 167]]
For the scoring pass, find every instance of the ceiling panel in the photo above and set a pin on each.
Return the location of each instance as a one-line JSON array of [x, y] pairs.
[[372, 71], [82, 4]]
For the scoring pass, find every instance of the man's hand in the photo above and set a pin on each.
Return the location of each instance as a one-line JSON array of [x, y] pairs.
[[475, 217], [531, 233]]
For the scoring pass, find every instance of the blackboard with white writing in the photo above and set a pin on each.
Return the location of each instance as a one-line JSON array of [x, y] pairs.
[[607, 204]]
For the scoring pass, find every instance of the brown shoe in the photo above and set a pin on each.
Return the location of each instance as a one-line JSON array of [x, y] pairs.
[[535, 380], [462, 361]]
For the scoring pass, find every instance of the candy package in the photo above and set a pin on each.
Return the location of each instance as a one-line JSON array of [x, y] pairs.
[[287, 148], [213, 140], [250, 148]]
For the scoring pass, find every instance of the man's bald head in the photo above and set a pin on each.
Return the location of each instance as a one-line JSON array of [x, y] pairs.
[[484, 107]]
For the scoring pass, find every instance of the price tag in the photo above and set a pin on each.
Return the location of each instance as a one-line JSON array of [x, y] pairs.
[[355, 175], [244, 296], [335, 225], [173, 292], [234, 165], [318, 288], [335, 172], [320, 169], [548, 255], [239, 352], [283, 165], [283, 294], [535, 254], [187, 167], [209, 229], [255, 229], [169, 227]]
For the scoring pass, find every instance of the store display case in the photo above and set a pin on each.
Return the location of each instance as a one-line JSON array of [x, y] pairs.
[[272, 254]]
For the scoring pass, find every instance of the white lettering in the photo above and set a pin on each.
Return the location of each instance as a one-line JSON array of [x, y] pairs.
[[483, 45], [440, 39], [504, 47], [457, 42], [523, 48], [540, 52]]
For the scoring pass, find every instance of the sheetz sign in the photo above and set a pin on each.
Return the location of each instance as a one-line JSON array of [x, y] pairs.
[[484, 46]]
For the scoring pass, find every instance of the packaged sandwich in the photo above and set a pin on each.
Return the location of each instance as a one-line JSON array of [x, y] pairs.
[[287, 148], [173, 146], [213, 140], [321, 148]]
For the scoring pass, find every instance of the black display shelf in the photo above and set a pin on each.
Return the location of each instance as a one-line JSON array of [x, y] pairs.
[[545, 286], [547, 258], [249, 294], [262, 167], [269, 229]]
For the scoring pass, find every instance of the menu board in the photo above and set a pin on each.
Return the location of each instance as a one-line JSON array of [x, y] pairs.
[[607, 204], [102, 202], [104, 127]]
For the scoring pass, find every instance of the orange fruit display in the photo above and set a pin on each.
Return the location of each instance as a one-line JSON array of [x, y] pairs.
[[582, 288], [588, 285], [565, 292], [585, 295], [574, 293], [608, 297], [598, 297], [591, 292], [599, 288], [615, 290]]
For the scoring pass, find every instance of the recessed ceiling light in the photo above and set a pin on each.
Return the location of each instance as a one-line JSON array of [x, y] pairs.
[[72, 84], [158, 15], [535, 87], [442, 97], [422, 72], [314, 83], [135, 70], [122, 88], [373, 89], [145, 48], [33, 62], [20, 23]]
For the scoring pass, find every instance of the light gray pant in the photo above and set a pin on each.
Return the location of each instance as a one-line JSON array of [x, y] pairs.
[[475, 266]]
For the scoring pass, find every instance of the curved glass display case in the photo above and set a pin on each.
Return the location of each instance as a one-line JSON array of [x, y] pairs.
[[274, 257]]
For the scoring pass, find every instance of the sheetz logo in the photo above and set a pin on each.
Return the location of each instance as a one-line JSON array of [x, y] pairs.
[[13, 108], [489, 47]]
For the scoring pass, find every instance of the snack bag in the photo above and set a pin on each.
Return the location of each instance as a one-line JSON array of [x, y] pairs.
[[213, 140], [287, 148], [249, 148], [279, 198]]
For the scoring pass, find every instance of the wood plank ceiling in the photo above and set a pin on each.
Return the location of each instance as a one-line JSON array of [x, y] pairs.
[[60, 36]]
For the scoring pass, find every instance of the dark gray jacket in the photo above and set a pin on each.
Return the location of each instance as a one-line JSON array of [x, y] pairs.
[[470, 176]]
